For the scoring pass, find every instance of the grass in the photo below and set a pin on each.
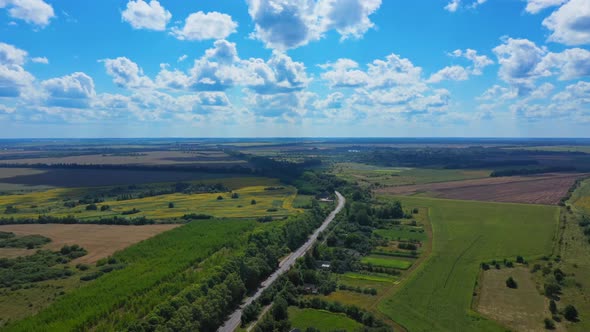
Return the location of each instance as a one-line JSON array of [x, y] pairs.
[[520, 309], [366, 175], [378, 277], [125, 295], [403, 232], [156, 207], [321, 320], [438, 295], [386, 261]]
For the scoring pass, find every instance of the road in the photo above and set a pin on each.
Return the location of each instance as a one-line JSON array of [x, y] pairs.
[[234, 320]]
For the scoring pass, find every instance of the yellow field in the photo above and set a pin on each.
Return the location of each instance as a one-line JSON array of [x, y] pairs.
[[156, 207]]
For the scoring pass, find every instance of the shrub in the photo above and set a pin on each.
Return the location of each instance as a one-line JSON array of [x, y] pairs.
[[552, 307], [219, 198], [253, 202], [91, 207], [105, 208], [171, 205], [511, 283], [235, 195], [549, 325], [570, 313]]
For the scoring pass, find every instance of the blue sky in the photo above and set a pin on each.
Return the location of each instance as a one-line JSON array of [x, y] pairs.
[[242, 68]]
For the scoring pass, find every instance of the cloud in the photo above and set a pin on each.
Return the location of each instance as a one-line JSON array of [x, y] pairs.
[[570, 24], [570, 64], [285, 24], [182, 58], [519, 60], [142, 15], [350, 18], [70, 91], [279, 74], [6, 109], [42, 60], [36, 12], [202, 26], [453, 6], [479, 61], [535, 6], [332, 101], [344, 73], [126, 73], [451, 73], [10, 55]]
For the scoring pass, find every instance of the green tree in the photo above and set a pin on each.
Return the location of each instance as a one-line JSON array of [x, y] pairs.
[[570, 313], [549, 324], [280, 309], [253, 202], [553, 307], [171, 205], [511, 283]]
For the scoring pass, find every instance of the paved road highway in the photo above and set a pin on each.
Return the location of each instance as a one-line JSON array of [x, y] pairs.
[[235, 319]]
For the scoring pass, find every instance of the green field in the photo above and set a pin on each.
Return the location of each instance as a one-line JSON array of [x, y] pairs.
[[367, 175], [320, 319], [399, 232], [277, 202], [386, 261], [378, 277], [156, 269], [437, 297]]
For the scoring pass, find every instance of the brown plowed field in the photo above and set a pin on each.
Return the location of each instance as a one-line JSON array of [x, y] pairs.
[[538, 189], [100, 240]]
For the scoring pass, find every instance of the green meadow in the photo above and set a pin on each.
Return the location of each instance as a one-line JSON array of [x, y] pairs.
[[322, 320], [438, 295]]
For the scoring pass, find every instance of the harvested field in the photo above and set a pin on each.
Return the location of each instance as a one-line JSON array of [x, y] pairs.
[[100, 240], [520, 309], [539, 189]]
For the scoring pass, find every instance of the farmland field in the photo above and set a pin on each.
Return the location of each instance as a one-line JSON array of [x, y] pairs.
[[276, 202], [27, 179], [367, 175], [121, 296], [100, 240], [438, 295], [542, 189], [386, 261], [520, 309], [324, 321], [208, 157]]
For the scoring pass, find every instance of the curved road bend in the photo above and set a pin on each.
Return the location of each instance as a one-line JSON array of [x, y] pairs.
[[233, 322]]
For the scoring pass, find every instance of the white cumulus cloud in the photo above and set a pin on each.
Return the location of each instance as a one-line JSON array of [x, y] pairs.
[[36, 12], [570, 24], [202, 26], [143, 15]]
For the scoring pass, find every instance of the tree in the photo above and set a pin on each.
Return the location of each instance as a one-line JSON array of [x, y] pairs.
[[553, 307], [171, 205], [551, 290], [570, 313], [511, 283], [91, 207], [104, 207], [253, 202], [219, 198], [280, 309], [235, 195], [549, 325]]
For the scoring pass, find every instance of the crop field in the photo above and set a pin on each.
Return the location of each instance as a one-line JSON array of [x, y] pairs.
[[520, 309], [367, 175], [277, 202], [206, 157], [181, 256], [437, 296], [377, 277], [322, 320], [100, 240], [28, 179], [403, 232], [542, 189], [386, 261]]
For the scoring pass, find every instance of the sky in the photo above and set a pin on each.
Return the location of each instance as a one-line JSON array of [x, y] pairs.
[[294, 68]]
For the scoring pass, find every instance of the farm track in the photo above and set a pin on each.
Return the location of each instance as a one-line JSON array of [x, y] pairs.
[[233, 322]]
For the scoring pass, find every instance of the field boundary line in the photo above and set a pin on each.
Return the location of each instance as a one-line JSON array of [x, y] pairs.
[[459, 257]]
